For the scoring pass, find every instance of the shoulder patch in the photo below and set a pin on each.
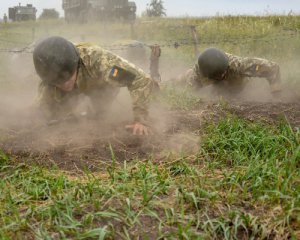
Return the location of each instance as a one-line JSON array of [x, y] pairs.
[[121, 75], [254, 68]]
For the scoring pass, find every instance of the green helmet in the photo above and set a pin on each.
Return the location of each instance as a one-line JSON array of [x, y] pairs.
[[55, 60], [213, 63]]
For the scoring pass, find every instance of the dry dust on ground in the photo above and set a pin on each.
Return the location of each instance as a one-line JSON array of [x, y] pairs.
[[84, 146]]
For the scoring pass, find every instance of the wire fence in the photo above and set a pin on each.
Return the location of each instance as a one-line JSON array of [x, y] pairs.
[[27, 46]]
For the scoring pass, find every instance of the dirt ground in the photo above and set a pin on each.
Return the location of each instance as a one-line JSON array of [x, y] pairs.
[[268, 112], [84, 146]]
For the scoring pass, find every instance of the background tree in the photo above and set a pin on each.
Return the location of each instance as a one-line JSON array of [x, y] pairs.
[[156, 9], [49, 14]]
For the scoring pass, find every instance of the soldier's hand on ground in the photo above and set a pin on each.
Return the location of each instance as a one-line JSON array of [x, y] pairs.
[[139, 129]]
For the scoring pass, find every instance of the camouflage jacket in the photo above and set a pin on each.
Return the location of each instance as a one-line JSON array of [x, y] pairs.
[[99, 70], [239, 71]]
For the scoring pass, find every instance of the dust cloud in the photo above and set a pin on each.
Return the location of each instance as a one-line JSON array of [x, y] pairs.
[[24, 131]]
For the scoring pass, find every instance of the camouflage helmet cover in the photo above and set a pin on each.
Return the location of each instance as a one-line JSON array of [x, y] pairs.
[[213, 63], [55, 60]]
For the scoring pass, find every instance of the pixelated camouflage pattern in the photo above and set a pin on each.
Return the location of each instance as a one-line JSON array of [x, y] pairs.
[[94, 79], [239, 71]]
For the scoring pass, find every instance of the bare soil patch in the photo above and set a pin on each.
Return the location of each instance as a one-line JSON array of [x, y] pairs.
[[86, 146], [269, 112]]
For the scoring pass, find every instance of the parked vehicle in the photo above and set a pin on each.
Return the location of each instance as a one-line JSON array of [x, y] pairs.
[[90, 10]]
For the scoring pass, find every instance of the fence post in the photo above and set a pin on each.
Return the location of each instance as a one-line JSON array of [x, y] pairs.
[[154, 62], [33, 34], [195, 38], [132, 31]]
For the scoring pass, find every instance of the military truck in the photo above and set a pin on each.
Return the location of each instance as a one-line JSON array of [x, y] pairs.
[[22, 13], [83, 11], [49, 13]]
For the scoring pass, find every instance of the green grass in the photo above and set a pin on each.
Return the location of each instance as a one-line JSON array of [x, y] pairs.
[[243, 183], [266, 158]]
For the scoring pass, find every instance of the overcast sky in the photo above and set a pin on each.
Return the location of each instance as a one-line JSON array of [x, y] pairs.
[[186, 7]]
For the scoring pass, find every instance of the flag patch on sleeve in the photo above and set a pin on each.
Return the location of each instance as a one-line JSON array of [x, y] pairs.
[[121, 75], [114, 72]]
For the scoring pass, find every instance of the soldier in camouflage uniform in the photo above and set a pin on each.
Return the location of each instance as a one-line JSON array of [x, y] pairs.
[[229, 73], [68, 70]]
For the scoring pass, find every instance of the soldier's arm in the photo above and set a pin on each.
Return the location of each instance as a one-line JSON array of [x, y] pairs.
[[192, 78], [119, 72], [258, 67], [51, 103]]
